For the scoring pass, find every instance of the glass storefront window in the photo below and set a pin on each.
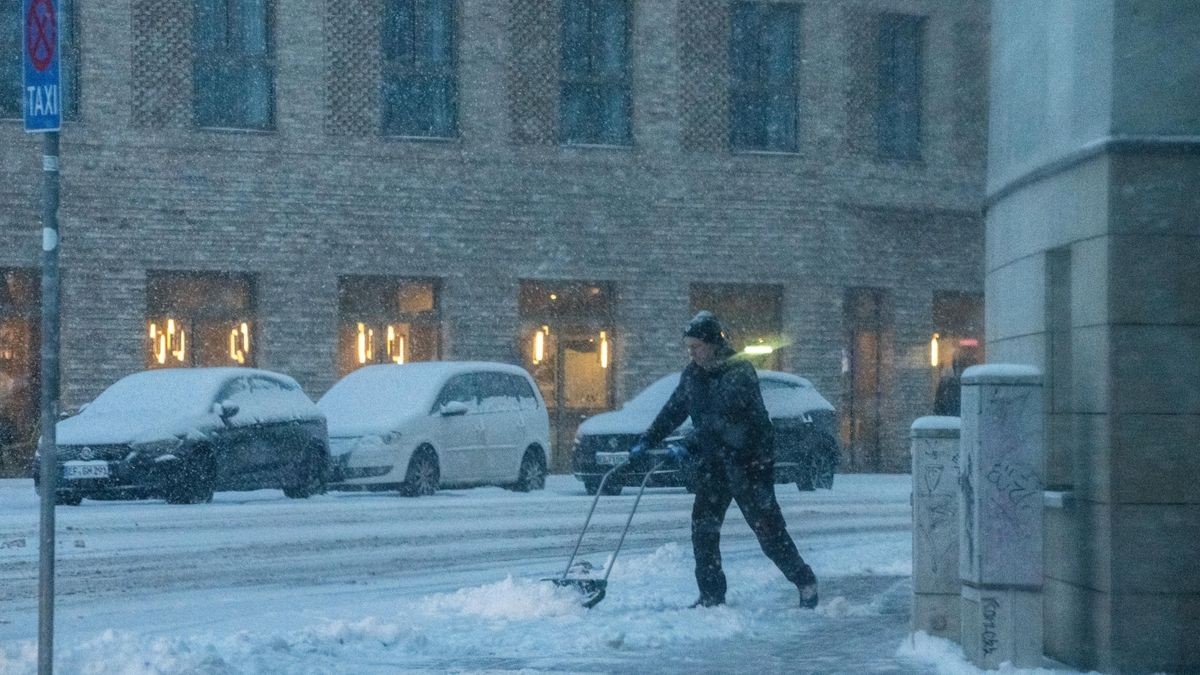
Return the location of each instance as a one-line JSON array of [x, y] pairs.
[[750, 314], [387, 320], [199, 319], [20, 367]]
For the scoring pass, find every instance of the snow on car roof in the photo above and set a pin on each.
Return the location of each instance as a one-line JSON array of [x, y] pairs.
[[182, 389], [657, 393], [374, 395]]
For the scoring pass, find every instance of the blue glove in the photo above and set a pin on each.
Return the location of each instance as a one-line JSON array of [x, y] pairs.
[[677, 451], [639, 450]]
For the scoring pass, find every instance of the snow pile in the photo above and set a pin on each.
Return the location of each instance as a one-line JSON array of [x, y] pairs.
[[507, 600], [513, 619], [948, 658]]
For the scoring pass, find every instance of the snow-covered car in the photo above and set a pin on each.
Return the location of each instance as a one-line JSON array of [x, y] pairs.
[[416, 427], [181, 433], [806, 447]]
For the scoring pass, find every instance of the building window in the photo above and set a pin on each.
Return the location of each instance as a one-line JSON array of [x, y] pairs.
[[387, 320], [234, 75], [20, 366], [12, 75], [764, 100], [898, 119], [751, 316], [596, 100], [420, 91], [199, 319]]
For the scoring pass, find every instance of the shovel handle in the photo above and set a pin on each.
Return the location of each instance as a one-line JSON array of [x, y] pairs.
[[613, 560], [596, 500], [586, 521]]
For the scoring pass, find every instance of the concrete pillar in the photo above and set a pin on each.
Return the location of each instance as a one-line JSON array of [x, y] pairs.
[[936, 586], [1000, 507]]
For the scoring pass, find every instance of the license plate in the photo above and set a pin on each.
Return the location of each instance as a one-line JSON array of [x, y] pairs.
[[77, 470], [611, 458]]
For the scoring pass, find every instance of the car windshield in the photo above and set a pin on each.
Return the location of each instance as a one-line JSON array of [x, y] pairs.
[[378, 394], [182, 391], [656, 394]]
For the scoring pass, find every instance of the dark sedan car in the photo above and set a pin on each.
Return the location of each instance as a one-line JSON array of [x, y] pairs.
[[806, 448], [180, 434]]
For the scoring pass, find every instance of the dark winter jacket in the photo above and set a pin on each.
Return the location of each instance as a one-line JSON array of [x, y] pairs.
[[727, 411], [946, 399]]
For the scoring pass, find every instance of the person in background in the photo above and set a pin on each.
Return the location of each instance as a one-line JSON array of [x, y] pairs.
[[948, 398], [732, 447]]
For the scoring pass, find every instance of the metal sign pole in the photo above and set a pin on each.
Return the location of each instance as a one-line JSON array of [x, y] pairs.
[[47, 449], [42, 102]]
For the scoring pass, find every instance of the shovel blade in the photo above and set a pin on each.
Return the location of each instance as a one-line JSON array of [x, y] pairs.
[[591, 591]]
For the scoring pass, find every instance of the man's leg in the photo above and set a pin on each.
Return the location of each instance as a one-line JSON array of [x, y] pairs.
[[754, 492], [708, 513]]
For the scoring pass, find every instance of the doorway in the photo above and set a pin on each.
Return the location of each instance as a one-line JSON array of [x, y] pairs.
[[862, 390], [568, 347]]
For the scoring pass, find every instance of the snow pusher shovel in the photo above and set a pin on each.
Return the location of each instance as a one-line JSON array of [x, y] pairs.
[[580, 575]]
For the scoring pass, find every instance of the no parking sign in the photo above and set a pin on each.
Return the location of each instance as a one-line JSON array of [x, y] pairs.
[[42, 93]]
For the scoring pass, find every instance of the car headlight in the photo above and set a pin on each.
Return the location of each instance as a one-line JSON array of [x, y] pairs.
[[345, 445], [160, 447]]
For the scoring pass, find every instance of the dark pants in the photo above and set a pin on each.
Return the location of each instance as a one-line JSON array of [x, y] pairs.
[[718, 483]]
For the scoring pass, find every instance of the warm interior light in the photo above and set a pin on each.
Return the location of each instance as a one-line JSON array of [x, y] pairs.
[[164, 344], [366, 336], [603, 349], [181, 353], [933, 351], [158, 344], [758, 350], [233, 347], [239, 343], [395, 345], [539, 345]]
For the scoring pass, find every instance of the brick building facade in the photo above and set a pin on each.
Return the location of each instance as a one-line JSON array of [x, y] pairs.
[[843, 257]]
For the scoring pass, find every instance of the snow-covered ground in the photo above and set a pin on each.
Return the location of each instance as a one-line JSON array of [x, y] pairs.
[[376, 583]]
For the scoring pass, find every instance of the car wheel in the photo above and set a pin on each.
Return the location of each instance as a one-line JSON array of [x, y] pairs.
[[310, 479], [591, 486], [613, 488], [423, 474], [533, 472], [194, 483]]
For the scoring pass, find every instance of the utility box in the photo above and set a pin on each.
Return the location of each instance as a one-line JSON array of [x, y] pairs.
[[936, 585], [1000, 514]]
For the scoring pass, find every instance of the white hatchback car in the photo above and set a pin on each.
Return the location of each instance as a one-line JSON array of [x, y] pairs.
[[419, 426]]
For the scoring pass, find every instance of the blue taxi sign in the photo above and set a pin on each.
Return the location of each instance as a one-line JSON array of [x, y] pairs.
[[41, 94]]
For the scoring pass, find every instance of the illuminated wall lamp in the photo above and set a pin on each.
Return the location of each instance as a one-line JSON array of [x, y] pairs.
[[395, 345], [239, 343], [603, 349], [366, 343], [539, 344], [169, 342], [934, 360], [758, 350]]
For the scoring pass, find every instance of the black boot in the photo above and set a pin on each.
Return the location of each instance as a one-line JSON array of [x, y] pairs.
[[808, 594]]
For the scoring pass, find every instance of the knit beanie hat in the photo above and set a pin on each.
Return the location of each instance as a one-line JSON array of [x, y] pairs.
[[705, 327]]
